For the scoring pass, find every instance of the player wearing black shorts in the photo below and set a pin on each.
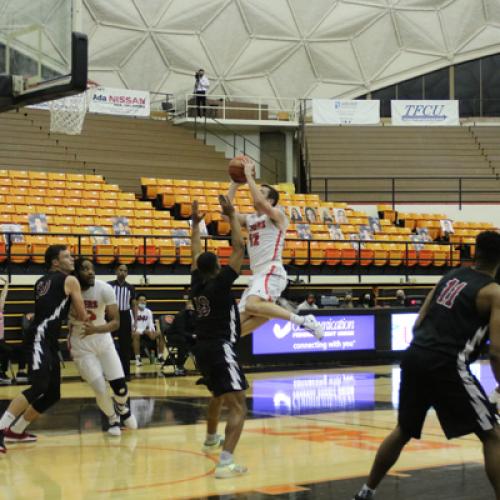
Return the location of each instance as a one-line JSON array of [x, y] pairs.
[[217, 329], [456, 320], [54, 293]]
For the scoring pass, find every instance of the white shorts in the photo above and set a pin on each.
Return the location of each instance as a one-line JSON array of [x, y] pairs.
[[95, 356], [268, 286]]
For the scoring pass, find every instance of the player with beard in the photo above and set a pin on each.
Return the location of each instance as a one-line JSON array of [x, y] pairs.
[[93, 350]]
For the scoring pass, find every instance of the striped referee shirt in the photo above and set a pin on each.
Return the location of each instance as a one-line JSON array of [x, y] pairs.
[[125, 293]]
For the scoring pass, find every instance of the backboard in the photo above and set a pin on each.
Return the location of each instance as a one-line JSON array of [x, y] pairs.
[[41, 58]]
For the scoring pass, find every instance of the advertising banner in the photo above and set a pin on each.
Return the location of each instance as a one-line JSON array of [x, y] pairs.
[[342, 333], [123, 102], [345, 112], [425, 113], [402, 330]]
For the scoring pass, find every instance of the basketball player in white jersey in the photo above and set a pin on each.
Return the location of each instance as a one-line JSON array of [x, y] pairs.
[[93, 350], [266, 238]]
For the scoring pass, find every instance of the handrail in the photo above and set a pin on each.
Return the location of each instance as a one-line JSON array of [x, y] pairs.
[[356, 244], [234, 145], [261, 100], [393, 191]]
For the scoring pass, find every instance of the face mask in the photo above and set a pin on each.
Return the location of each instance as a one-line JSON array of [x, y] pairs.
[[142, 306]]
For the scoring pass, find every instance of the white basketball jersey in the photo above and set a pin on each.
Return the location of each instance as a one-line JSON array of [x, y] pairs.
[[96, 298], [265, 242]]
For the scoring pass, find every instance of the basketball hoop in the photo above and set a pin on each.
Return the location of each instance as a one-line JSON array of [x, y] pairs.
[[68, 114]]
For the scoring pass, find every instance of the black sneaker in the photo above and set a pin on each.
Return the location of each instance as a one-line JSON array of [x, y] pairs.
[[201, 381], [3, 449]]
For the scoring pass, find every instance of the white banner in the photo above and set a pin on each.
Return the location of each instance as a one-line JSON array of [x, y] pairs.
[[119, 102], [426, 113], [346, 112]]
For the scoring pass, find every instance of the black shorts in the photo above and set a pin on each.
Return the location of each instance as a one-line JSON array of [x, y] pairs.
[[219, 366], [430, 379]]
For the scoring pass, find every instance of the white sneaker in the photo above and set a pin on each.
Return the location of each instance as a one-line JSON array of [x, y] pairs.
[[229, 470], [138, 362], [313, 326], [114, 427], [212, 447], [130, 422]]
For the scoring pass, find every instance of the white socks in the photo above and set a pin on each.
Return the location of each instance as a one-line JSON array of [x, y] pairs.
[[366, 492], [225, 458], [297, 320], [6, 420], [20, 426]]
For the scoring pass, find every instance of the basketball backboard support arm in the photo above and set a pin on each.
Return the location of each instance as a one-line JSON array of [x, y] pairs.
[[71, 84]]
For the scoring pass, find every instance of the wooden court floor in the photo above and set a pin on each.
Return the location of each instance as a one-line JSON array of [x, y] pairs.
[[309, 435]]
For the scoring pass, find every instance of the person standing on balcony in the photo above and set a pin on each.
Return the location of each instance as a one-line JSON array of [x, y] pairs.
[[201, 85]]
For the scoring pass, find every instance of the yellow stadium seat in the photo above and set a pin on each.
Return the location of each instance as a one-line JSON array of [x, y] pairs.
[[104, 254], [125, 250]]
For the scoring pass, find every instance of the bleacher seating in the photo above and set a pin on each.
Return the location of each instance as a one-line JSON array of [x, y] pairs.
[[325, 233], [402, 152], [114, 147]]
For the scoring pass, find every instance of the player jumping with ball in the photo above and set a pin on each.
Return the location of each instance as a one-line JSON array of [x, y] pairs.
[[266, 237]]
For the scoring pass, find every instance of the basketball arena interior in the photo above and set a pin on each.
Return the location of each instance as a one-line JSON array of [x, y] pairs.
[[376, 121]]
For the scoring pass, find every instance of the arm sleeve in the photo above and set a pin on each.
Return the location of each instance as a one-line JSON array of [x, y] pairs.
[[132, 293], [226, 278], [108, 295]]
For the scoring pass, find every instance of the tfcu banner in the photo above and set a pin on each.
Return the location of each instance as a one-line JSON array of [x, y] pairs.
[[342, 333], [345, 112], [425, 113], [119, 102]]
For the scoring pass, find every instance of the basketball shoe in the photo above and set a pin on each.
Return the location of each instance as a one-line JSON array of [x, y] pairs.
[[226, 471], [13, 437], [114, 426], [129, 421], [213, 446], [370, 496], [311, 325]]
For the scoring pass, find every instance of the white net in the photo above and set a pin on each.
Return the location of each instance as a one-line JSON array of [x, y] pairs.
[[68, 114]]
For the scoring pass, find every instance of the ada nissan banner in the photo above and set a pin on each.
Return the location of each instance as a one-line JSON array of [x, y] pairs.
[[425, 113], [119, 102], [345, 112]]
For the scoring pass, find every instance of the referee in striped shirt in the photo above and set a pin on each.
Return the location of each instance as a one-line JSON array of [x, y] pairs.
[[125, 298]]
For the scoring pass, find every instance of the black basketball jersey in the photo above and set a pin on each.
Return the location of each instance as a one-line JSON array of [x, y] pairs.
[[51, 308], [453, 325], [217, 315]]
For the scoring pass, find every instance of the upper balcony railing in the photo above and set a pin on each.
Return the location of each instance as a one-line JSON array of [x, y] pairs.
[[237, 107]]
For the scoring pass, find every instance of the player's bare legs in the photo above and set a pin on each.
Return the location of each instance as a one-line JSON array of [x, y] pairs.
[[387, 455], [213, 414], [257, 307], [213, 441], [491, 451], [136, 345], [236, 404], [250, 323]]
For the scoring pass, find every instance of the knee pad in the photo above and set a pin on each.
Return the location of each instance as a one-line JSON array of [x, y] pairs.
[[119, 387], [99, 385]]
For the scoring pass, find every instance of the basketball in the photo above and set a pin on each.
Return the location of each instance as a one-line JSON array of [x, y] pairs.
[[236, 170]]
